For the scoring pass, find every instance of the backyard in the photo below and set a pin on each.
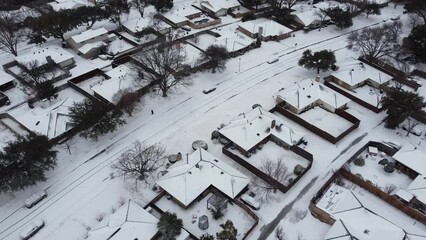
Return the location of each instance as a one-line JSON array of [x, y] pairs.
[[190, 216], [374, 172], [274, 152], [327, 121]]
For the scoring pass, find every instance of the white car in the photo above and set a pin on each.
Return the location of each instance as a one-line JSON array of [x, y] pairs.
[[35, 198], [250, 200], [32, 229], [415, 130], [393, 144], [273, 60]]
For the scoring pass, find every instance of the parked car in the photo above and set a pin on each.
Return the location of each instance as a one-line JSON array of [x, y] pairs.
[[209, 91], [249, 199], [273, 60], [35, 198], [415, 130], [395, 18], [32, 229], [393, 144]]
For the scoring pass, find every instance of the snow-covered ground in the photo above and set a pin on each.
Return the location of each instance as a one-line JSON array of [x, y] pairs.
[[374, 172], [325, 120], [242, 221], [82, 185]]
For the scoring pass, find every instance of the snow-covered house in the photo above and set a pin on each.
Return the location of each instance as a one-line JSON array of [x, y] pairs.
[[257, 127], [21, 14], [219, 7], [135, 25], [414, 164], [130, 221], [311, 16], [352, 218], [59, 5], [6, 81], [121, 78], [90, 42], [306, 94], [196, 173], [44, 56], [180, 15], [266, 28], [357, 74]]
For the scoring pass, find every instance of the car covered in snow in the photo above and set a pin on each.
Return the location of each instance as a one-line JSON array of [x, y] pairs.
[[35, 198], [249, 198], [393, 144], [413, 130], [32, 229]]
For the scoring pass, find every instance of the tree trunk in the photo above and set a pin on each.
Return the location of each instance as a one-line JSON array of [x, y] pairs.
[[318, 70]]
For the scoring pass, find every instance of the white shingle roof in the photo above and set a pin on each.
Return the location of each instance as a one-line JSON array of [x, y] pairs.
[[217, 5], [303, 93], [188, 178], [130, 221], [40, 55], [270, 28], [415, 160], [356, 72], [251, 128], [88, 34]]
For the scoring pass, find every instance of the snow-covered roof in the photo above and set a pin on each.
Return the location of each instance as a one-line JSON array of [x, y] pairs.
[[59, 5], [40, 55], [418, 188], [88, 34], [137, 24], [122, 77], [414, 159], [252, 127], [353, 219], [217, 5], [354, 73], [130, 221], [180, 13], [189, 177], [91, 46], [303, 93], [5, 78], [22, 13], [308, 17], [404, 194], [270, 28]]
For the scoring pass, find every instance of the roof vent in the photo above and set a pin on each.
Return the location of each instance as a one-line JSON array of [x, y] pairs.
[[257, 134], [216, 160], [309, 96], [221, 173], [189, 172]]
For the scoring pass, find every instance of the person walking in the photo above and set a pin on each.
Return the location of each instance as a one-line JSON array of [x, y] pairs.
[[152, 112]]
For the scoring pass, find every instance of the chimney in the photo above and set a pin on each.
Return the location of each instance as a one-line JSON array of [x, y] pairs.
[[272, 124]]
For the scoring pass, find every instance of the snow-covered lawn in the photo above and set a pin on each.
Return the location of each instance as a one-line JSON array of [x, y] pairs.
[[118, 45], [48, 118], [374, 172], [242, 221], [325, 120], [271, 151], [203, 41], [366, 93]]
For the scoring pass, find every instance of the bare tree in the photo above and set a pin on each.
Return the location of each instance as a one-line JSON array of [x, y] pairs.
[[290, 3], [10, 34], [163, 63], [279, 233], [374, 42], [33, 72], [140, 161], [414, 20], [127, 100], [404, 75], [278, 171], [139, 5], [410, 125]]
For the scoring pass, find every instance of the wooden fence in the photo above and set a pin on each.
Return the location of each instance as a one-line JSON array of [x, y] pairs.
[[323, 134], [352, 97], [265, 177]]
